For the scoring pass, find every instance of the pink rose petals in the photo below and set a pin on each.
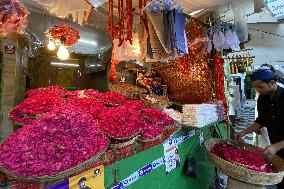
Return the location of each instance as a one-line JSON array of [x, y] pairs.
[[250, 159], [120, 122], [150, 131], [54, 90], [56, 142]]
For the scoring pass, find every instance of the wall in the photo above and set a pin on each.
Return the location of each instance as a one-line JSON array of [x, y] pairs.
[[14, 69], [268, 48]]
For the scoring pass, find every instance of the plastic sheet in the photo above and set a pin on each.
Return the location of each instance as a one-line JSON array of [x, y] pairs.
[[13, 17]]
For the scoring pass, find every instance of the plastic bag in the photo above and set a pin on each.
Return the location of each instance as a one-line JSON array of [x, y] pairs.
[[13, 17]]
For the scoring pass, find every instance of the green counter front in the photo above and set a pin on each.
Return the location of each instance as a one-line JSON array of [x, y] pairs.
[[128, 169]]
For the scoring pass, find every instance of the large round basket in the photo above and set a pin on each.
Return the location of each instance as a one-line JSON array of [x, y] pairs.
[[59, 176], [122, 139], [241, 172]]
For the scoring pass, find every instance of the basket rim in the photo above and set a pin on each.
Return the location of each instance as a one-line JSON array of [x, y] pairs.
[[126, 138], [60, 175]]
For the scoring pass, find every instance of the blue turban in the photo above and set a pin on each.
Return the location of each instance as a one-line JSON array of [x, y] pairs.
[[262, 74]]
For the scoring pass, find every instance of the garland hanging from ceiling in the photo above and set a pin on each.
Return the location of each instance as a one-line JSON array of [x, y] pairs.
[[118, 30]]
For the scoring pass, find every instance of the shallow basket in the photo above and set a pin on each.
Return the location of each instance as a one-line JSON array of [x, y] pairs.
[[152, 139], [59, 176], [241, 172], [123, 144], [126, 138]]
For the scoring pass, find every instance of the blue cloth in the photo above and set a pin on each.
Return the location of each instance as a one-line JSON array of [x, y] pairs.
[[179, 27], [262, 74]]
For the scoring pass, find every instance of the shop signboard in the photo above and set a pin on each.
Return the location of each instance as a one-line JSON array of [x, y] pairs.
[[276, 7], [10, 49]]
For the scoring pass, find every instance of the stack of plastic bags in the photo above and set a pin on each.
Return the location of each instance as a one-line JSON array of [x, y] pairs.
[[13, 17], [221, 112], [199, 115]]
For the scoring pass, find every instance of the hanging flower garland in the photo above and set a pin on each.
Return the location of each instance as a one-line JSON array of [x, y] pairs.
[[129, 21], [119, 30], [71, 35], [219, 77]]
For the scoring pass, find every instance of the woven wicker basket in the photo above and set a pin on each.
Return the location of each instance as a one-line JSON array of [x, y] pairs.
[[159, 137], [58, 176], [124, 144], [126, 138], [241, 172]]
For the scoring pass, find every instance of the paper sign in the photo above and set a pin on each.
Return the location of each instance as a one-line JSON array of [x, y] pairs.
[[10, 49], [276, 7], [91, 179]]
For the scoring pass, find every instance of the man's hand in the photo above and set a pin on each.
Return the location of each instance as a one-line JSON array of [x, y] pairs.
[[240, 135], [271, 150]]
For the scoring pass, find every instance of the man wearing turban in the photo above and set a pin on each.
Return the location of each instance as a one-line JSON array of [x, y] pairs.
[[270, 106]]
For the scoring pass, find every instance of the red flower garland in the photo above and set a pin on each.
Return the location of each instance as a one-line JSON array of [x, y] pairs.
[[219, 76], [71, 35], [129, 21]]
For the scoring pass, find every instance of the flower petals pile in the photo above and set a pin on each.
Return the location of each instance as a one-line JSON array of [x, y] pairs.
[[91, 93], [120, 122], [151, 131], [155, 116], [250, 159], [134, 104], [39, 104], [89, 105], [58, 141], [113, 98], [55, 90], [17, 117]]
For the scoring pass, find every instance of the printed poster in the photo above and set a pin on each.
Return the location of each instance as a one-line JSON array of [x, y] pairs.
[[171, 155], [91, 179]]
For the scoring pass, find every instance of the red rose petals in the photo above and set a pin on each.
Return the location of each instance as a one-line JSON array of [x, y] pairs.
[[120, 122], [89, 105], [113, 98], [39, 104], [55, 90], [250, 159], [155, 115]]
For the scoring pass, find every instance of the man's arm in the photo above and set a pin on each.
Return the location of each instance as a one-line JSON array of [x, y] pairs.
[[253, 128], [274, 148]]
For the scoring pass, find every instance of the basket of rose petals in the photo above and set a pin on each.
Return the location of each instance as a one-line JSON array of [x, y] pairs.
[[113, 98], [57, 145], [120, 123], [150, 132], [155, 116], [53, 90], [245, 162]]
